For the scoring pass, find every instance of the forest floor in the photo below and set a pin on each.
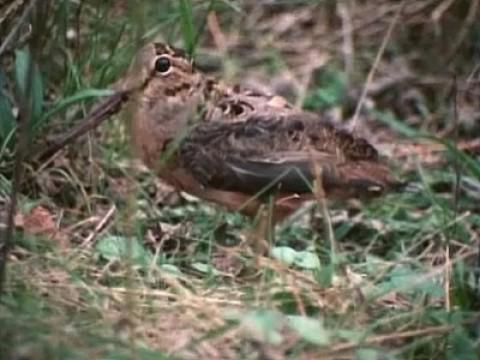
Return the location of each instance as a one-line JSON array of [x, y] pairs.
[[108, 262]]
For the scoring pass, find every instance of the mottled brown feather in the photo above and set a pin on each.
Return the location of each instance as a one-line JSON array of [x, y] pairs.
[[231, 145]]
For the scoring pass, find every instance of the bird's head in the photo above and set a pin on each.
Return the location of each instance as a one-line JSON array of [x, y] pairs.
[[165, 92], [161, 72]]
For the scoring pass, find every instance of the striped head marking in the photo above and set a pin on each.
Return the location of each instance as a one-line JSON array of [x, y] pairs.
[[161, 70]]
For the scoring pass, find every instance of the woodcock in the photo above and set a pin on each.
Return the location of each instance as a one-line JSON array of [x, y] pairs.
[[232, 146]]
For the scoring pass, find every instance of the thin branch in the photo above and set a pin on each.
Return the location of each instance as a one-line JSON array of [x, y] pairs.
[[347, 45], [95, 117], [456, 193], [374, 67], [382, 339], [13, 33], [463, 32]]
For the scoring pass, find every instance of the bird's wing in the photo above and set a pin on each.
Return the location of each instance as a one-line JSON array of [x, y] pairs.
[[282, 154]]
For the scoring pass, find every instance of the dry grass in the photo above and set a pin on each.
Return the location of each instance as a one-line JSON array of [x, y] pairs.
[[109, 263]]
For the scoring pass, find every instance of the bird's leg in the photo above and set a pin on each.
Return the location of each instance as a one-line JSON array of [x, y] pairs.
[[264, 228], [270, 229]]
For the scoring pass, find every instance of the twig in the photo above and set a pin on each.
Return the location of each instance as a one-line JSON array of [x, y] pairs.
[[13, 33], [374, 67], [216, 32], [438, 12], [101, 224], [380, 339], [96, 116], [463, 32], [347, 46], [9, 10], [374, 19], [456, 192]]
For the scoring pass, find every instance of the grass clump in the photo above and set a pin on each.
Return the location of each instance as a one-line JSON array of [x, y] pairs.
[[110, 263]]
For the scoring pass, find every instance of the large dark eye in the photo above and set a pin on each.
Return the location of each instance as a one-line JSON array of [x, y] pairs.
[[162, 64]]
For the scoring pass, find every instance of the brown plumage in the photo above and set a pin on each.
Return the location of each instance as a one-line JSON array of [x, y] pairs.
[[231, 146]]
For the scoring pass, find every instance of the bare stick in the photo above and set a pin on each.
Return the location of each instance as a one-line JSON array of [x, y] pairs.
[[108, 216], [374, 67], [13, 33], [96, 116], [464, 30], [456, 194]]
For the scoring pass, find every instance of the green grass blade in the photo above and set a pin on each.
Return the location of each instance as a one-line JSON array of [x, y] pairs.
[[472, 165], [65, 103], [187, 25], [35, 93], [7, 120]]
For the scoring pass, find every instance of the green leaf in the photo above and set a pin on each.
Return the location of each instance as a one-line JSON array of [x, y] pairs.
[[119, 248], [330, 91], [284, 254], [205, 268], [325, 275], [119, 353], [303, 259], [354, 336], [408, 281], [311, 330], [461, 346], [34, 94], [263, 325], [287, 302], [368, 354], [307, 260], [171, 269]]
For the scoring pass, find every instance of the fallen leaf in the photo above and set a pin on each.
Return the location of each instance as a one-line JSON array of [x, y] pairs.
[[39, 221]]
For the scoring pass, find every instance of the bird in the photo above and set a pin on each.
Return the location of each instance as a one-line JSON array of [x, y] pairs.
[[239, 147]]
